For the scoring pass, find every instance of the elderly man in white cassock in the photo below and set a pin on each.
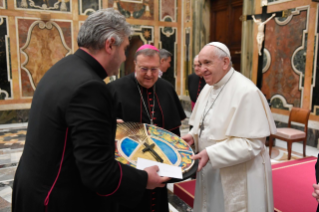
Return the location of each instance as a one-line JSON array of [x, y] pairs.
[[231, 122]]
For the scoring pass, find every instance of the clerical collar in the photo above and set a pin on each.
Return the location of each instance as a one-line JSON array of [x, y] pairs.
[[223, 80]]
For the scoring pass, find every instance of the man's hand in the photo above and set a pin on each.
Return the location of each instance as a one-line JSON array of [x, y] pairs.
[[203, 159], [315, 193], [154, 180], [188, 138], [119, 121]]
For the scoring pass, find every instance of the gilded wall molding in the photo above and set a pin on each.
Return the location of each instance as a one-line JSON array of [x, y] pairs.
[[278, 101], [59, 6], [3, 4], [170, 44], [168, 18], [6, 90], [315, 72], [89, 7], [299, 68], [266, 60]]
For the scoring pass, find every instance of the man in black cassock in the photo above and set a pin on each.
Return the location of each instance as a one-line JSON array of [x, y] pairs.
[[145, 98], [196, 82], [68, 160]]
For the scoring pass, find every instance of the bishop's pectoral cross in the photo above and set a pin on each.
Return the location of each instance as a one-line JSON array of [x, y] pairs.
[[264, 18], [152, 151]]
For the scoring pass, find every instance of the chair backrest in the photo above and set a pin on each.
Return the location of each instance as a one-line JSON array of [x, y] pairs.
[[299, 115]]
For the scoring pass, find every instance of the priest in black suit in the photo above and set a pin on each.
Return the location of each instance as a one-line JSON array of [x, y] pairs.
[[145, 98], [196, 82], [68, 160]]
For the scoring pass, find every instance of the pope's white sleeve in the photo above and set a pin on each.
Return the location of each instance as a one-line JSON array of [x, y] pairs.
[[233, 151]]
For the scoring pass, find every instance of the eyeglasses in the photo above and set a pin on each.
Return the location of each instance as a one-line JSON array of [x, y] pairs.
[[145, 69]]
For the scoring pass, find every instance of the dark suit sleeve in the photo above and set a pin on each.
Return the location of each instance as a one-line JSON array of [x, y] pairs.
[[91, 120]]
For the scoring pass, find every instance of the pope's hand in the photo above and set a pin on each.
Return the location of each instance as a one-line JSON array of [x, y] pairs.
[[154, 180], [203, 159], [188, 138], [315, 194], [119, 121]]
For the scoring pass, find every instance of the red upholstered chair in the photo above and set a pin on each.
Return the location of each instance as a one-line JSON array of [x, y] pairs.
[[290, 134]]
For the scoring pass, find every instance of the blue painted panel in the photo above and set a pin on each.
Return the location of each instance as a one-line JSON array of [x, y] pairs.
[[169, 152], [128, 146]]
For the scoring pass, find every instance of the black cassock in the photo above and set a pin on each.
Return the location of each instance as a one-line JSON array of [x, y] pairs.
[[72, 119], [195, 85], [168, 113]]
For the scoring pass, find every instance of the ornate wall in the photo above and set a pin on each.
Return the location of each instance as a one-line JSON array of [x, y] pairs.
[[35, 34], [290, 63]]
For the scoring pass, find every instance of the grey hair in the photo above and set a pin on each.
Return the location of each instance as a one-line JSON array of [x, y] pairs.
[[195, 58], [164, 54], [146, 52], [103, 25]]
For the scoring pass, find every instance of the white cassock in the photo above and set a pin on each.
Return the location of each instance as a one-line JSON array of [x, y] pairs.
[[237, 177]]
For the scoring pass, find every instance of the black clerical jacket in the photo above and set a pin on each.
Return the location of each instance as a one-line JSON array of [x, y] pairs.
[[195, 85], [72, 119], [168, 113]]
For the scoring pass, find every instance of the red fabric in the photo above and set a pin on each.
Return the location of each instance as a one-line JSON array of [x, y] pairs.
[[292, 184], [186, 191]]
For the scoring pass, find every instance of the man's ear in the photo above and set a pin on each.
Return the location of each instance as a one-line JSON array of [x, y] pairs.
[[109, 45], [162, 60], [226, 62]]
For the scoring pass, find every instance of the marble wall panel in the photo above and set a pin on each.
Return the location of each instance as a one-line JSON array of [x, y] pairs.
[[168, 10], [40, 5], [134, 9], [168, 41], [5, 61], [37, 55], [315, 83], [86, 7], [2, 4], [283, 43]]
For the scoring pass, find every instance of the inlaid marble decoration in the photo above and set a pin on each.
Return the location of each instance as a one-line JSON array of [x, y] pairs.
[[168, 41], [87, 7], [143, 10], [188, 5], [2, 4], [168, 10], [287, 46], [37, 52], [5, 62], [315, 74], [50, 5]]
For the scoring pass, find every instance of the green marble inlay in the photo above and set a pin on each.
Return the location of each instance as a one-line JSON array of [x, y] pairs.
[[277, 103], [317, 112]]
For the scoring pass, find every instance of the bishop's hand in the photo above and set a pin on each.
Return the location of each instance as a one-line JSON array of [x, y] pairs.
[[203, 159], [154, 180], [188, 138]]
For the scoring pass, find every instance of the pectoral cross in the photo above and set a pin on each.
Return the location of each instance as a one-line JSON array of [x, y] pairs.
[[263, 17], [152, 151], [201, 127]]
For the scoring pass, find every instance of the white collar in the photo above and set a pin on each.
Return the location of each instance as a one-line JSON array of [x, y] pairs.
[[224, 79]]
